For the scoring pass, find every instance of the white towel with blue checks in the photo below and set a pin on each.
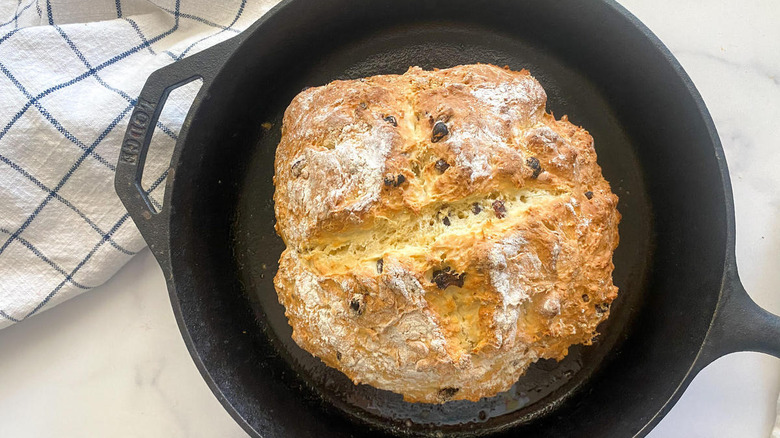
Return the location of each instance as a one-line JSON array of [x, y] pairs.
[[70, 71]]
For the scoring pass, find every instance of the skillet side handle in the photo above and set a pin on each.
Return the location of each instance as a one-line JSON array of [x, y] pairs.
[[204, 65], [739, 324], [135, 145]]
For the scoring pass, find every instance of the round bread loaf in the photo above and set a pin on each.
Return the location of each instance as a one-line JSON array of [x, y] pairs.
[[443, 231]]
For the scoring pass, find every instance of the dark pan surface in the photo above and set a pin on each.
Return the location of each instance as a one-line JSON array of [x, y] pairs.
[[655, 143], [445, 44]]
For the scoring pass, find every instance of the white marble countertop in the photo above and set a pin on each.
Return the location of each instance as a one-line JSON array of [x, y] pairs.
[[112, 363]]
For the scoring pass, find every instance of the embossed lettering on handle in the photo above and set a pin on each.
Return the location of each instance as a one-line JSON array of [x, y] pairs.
[[136, 131]]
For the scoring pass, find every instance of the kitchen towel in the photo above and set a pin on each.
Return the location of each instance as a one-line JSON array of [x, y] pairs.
[[70, 71]]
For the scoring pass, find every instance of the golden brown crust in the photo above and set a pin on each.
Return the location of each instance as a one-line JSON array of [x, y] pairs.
[[443, 232]]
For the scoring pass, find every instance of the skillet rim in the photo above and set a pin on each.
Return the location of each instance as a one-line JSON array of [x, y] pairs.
[[230, 46]]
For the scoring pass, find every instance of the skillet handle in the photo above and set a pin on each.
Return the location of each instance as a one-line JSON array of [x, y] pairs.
[[739, 324], [204, 65]]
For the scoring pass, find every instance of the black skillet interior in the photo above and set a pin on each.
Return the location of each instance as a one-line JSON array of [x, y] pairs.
[[446, 44], [654, 145]]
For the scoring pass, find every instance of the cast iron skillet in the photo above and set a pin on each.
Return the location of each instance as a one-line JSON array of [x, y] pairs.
[[681, 304]]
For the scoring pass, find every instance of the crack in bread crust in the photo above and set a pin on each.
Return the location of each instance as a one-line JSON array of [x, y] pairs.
[[439, 236]]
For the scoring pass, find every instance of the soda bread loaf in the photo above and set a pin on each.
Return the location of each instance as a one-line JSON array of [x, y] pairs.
[[443, 231]]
